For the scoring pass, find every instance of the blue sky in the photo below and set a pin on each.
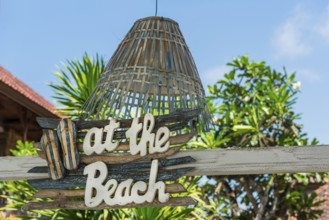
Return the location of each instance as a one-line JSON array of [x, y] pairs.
[[36, 36]]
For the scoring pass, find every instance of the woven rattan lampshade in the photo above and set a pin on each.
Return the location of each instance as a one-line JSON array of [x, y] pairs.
[[152, 71]]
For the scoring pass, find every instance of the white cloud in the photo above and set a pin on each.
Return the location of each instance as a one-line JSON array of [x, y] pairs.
[[308, 75], [211, 76], [289, 41], [296, 37], [323, 27]]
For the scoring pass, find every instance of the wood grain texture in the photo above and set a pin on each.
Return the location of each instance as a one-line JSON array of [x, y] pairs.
[[173, 202], [126, 168], [52, 154], [52, 123], [234, 161], [174, 140], [79, 180], [152, 71], [239, 161], [122, 134], [66, 132], [121, 158], [65, 193]]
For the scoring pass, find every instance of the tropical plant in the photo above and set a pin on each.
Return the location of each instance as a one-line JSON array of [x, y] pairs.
[[71, 86], [71, 105], [18, 193], [77, 80], [254, 107]]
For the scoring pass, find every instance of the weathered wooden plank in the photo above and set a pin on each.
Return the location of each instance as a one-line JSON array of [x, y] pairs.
[[52, 123], [79, 180], [234, 161], [174, 140], [237, 161], [59, 193], [66, 193], [121, 158], [116, 135], [125, 168], [173, 202], [182, 139], [48, 123], [175, 188], [122, 133], [111, 158], [16, 168]]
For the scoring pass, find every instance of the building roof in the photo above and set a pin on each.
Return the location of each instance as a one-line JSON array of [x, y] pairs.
[[24, 95]]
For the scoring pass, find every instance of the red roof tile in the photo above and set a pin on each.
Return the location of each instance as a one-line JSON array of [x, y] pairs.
[[323, 194], [17, 85]]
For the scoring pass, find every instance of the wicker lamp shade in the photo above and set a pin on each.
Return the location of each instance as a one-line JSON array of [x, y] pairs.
[[152, 71]]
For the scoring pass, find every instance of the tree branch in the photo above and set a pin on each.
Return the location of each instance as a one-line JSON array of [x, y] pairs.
[[264, 199], [246, 184], [232, 197]]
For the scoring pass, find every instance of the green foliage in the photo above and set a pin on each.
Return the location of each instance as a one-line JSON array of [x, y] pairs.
[[76, 82], [254, 107], [18, 193], [256, 104], [302, 204], [24, 149]]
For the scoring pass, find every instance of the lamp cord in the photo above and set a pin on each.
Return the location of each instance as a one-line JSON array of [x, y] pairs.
[[156, 7]]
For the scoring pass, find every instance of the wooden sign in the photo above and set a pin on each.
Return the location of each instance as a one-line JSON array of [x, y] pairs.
[[114, 163]]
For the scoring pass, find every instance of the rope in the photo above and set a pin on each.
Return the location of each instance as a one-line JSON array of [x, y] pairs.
[[156, 7]]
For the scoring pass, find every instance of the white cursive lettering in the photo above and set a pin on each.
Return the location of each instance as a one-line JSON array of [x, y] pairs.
[[114, 193], [153, 142], [97, 146]]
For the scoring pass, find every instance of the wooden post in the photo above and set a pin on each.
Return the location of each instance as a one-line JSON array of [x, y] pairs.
[[24, 122]]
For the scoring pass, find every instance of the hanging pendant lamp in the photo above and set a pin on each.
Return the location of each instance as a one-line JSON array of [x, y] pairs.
[[152, 71]]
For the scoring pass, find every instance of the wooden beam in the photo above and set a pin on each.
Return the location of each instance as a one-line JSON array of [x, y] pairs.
[[234, 161], [239, 161], [74, 181], [174, 140], [178, 116], [65, 193], [173, 202]]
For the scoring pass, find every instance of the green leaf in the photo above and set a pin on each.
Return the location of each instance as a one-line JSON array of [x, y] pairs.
[[77, 81], [243, 127]]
